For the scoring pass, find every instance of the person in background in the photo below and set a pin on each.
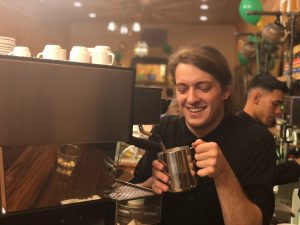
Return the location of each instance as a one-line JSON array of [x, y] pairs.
[[235, 184], [264, 101]]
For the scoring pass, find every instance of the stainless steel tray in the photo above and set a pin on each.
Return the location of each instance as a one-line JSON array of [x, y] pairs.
[[122, 190]]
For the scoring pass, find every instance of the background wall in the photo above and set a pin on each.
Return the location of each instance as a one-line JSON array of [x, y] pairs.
[[31, 28], [91, 34]]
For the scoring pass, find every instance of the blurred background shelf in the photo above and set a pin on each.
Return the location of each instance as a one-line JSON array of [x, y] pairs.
[[284, 78]]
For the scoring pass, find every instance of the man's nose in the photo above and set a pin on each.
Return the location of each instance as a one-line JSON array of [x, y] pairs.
[[278, 111], [192, 96]]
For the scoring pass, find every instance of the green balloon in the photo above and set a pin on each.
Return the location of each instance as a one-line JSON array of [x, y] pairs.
[[250, 5], [242, 59]]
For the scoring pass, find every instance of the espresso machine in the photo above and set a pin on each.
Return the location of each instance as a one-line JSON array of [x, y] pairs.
[[288, 143], [289, 139], [46, 104]]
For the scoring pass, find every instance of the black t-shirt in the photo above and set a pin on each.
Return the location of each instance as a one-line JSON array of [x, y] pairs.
[[247, 148], [286, 172]]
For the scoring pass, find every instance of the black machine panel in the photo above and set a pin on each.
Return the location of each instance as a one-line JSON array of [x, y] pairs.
[[49, 101], [147, 105]]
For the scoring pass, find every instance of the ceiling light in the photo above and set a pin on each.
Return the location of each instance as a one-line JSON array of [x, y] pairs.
[[204, 0], [92, 15], [124, 29], [136, 27], [77, 4], [204, 6], [203, 18], [112, 26]]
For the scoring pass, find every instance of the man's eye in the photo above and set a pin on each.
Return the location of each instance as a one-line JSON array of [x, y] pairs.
[[204, 87], [181, 89]]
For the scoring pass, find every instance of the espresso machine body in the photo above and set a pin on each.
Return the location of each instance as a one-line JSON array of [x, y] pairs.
[[49, 103]]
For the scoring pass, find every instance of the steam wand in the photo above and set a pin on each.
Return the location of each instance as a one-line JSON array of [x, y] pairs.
[[158, 138]]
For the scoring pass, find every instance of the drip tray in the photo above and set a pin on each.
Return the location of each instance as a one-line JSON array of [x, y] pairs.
[[122, 190]]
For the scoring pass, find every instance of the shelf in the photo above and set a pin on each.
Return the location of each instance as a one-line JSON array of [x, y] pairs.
[[284, 78]]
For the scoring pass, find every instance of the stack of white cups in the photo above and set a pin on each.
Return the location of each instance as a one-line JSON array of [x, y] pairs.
[[98, 55]]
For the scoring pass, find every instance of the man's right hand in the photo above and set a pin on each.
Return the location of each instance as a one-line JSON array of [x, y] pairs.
[[159, 179]]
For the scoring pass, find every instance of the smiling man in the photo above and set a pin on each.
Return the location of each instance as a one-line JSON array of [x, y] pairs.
[[234, 182]]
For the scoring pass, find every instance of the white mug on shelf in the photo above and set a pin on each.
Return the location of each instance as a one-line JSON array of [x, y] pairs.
[[22, 51], [103, 55], [51, 52], [80, 54], [63, 54]]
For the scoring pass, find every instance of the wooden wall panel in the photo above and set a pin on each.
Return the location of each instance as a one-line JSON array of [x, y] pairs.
[[33, 28]]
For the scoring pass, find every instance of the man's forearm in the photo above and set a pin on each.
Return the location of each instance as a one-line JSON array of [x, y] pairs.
[[237, 209]]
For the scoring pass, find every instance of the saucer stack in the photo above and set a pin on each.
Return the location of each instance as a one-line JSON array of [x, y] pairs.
[[7, 45]]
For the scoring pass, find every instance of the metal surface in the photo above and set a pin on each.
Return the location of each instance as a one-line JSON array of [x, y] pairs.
[[176, 162], [125, 191], [142, 211], [48, 101], [2, 183], [292, 110]]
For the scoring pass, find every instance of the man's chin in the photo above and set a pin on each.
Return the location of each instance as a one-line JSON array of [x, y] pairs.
[[271, 123], [195, 124]]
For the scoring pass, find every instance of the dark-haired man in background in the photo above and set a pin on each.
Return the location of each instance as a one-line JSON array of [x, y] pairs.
[[264, 100]]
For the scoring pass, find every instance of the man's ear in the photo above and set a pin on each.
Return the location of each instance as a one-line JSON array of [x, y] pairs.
[[257, 97], [226, 92]]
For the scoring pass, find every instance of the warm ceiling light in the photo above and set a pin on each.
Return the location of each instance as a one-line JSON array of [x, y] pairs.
[[204, 6], [124, 29], [136, 27], [92, 15], [77, 4], [203, 18], [112, 26]]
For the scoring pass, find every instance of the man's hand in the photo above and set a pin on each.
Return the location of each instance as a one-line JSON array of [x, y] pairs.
[[159, 179], [209, 158]]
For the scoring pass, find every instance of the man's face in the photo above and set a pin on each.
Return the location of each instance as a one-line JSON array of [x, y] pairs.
[[200, 98], [269, 107]]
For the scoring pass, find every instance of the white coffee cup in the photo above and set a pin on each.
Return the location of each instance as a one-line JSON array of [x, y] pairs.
[[103, 55], [90, 51], [63, 54], [22, 51], [51, 52], [80, 54]]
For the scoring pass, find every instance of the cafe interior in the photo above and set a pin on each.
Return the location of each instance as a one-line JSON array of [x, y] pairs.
[[79, 79]]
